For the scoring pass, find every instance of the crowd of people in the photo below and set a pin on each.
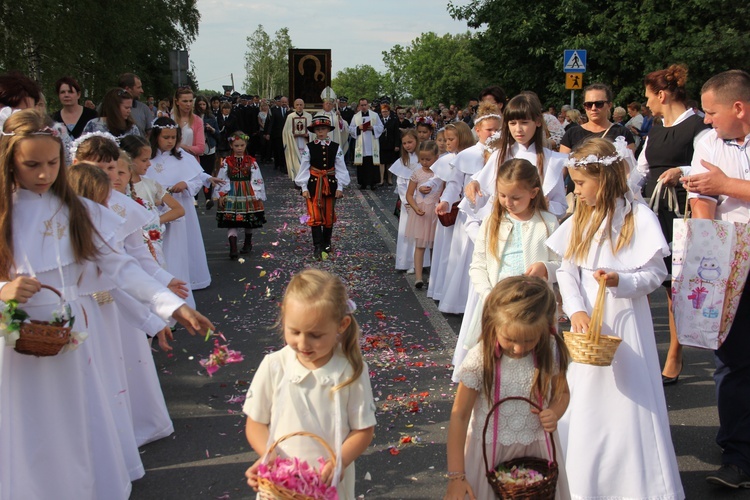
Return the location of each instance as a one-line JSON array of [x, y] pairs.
[[525, 218]]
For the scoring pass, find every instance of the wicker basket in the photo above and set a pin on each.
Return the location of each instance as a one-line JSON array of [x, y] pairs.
[[542, 490], [593, 348], [267, 490], [42, 338]]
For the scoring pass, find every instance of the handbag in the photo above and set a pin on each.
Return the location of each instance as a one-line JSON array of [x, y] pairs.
[[449, 218], [710, 264], [666, 193]]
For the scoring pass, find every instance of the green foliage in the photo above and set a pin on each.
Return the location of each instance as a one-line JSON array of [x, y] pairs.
[[435, 68], [522, 43], [96, 41], [267, 62], [361, 81]]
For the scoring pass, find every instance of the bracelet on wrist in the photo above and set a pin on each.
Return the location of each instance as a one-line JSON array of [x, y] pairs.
[[455, 476]]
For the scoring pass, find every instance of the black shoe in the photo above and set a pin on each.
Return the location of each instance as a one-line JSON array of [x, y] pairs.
[[374, 187], [669, 380], [233, 254], [318, 252], [247, 246], [730, 476], [419, 285], [209, 204], [362, 186]]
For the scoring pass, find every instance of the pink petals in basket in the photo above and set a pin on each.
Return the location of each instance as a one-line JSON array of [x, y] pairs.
[[297, 475], [519, 476]]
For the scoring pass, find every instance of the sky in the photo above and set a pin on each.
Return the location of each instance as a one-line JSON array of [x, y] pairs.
[[357, 32]]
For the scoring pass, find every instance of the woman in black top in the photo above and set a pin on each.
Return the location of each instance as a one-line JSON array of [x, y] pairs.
[[72, 115], [598, 104], [668, 147]]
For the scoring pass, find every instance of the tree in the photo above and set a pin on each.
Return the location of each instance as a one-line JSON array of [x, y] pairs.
[[266, 62], [361, 81], [436, 68], [47, 40], [522, 43]]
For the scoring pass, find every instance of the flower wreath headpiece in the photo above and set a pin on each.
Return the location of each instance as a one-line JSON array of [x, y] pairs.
[[484, 117], [620, 148], [5, 114], [425, 120], [242, 137], [85, 137], [160, 127]]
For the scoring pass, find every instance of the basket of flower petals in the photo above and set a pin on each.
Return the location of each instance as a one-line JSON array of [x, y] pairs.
[[294, 479], [525, 478]]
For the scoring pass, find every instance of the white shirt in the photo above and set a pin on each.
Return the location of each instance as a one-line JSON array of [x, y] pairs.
[[734, 161]]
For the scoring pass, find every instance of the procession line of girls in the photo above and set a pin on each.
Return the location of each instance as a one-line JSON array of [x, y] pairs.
[[620, 408], [65, 417]]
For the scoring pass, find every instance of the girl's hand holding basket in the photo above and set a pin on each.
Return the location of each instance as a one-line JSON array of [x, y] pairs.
[[21, 289]]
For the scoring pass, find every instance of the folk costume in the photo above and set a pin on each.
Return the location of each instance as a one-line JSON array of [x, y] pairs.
[[240, 200], [295, 136], [366, 148], [322, 173]]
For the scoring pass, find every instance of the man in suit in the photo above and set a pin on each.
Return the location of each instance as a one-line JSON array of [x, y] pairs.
[[390, 140], [275, 128]]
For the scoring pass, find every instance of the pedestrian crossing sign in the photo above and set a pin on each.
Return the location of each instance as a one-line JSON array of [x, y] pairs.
[[575, 61], [573, 81]]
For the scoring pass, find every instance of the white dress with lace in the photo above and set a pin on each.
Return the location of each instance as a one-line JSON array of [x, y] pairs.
[[519, 432]]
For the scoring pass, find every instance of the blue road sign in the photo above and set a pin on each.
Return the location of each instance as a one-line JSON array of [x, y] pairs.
[[574, 61]]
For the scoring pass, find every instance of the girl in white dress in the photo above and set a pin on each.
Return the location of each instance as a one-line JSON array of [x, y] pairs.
[[616, 432], [128, 321], [423, 194], [150, 194], [56, 420], [457, 138], [182, 176], [510, 242], [467, 163], [519, 354], [318, 383], [403, 168]]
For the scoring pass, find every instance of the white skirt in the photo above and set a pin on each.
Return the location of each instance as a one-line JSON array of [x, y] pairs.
[[405, 246], [57, 428], [106, 339], [457, 279], [151, 419], [441, 251], [175, 242], [193, 251]]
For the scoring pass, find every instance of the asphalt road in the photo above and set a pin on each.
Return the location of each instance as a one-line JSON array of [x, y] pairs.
[[408, 346]]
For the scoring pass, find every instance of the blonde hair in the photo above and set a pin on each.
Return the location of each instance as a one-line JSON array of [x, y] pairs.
[[89, 181], [31, 125], [463, 133], [513, 171], [527, 305], [613, 185], [326, 292]]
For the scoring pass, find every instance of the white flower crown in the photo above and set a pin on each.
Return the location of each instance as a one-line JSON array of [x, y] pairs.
[[620, 147], [85, 137]]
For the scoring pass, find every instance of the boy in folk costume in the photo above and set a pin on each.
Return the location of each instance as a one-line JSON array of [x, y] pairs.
[[366, 128], [322, 177], [295, 136]]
